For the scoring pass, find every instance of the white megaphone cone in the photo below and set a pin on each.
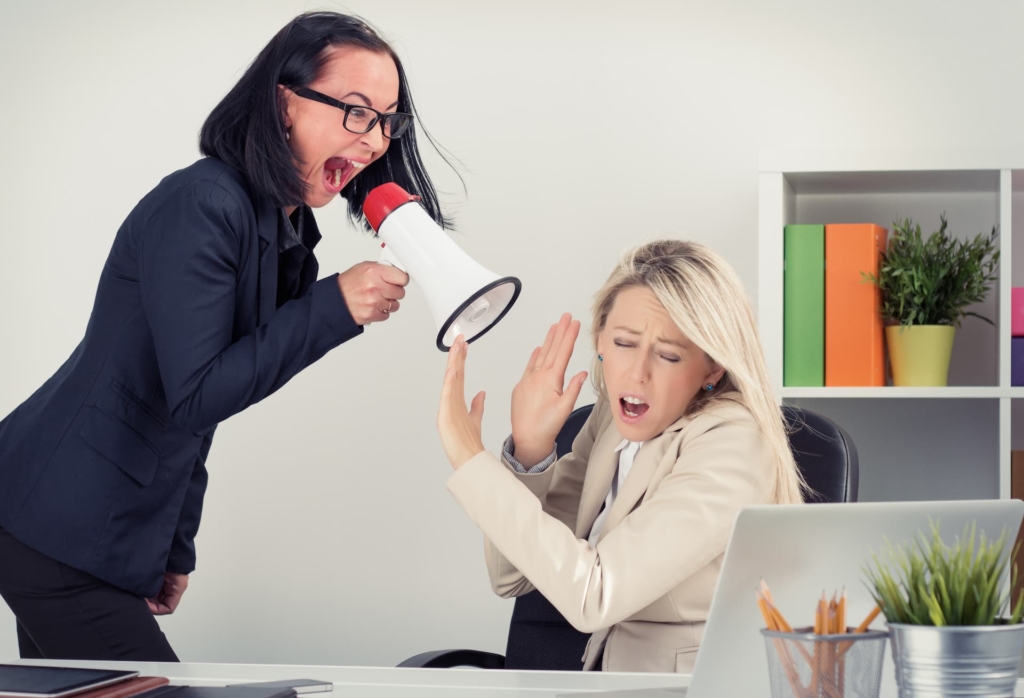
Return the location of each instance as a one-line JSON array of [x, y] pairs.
[[464, 297]]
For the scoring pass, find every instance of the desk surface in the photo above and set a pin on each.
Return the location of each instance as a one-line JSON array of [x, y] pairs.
[[388, 682]]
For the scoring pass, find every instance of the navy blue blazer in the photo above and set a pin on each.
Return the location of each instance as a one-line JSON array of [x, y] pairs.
[[104, 467]]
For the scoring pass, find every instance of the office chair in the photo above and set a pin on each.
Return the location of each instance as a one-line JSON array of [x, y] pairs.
[[540, 638]]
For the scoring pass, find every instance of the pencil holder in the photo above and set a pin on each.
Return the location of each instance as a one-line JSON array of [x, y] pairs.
[[804, 665]]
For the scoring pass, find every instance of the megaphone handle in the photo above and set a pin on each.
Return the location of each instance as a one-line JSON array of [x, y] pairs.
[[386, 257]]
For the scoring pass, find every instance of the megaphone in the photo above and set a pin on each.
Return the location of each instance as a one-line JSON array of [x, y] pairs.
[[464, 297]]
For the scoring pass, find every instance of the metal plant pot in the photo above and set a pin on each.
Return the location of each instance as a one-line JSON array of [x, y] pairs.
[[965, 660]]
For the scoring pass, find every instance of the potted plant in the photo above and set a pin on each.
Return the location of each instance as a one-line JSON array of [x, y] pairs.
[[926, 287], [951, 627]]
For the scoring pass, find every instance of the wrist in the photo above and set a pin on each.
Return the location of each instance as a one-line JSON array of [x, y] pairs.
[[530, 453], [467, 454]]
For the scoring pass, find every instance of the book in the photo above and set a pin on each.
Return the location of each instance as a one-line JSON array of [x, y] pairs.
[[1017, 311], [1016, 360], [176, 691], [803, 315], [1017, 492], [31, 681], [125, 689], [854, 338]]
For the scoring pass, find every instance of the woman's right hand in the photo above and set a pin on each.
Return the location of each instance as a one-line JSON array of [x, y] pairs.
[[541, 402], [372, 291]]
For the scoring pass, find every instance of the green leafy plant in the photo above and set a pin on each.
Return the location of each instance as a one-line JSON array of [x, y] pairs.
[[930, 583], [932, 281]]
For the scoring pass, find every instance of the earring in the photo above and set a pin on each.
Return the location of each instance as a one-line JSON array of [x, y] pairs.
[[600, 358], [288, 135], [709, 387]]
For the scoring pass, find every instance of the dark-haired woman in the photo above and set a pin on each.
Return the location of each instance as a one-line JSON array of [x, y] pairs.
[[208, 303]]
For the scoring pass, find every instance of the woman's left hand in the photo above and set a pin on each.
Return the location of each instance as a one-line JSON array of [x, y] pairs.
[[169, 597], [459, 428]]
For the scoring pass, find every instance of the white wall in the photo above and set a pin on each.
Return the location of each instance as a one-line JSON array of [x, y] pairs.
[[328, 535]]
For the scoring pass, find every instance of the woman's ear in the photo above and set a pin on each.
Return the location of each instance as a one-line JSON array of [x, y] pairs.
[[715, 374], [285, 98]]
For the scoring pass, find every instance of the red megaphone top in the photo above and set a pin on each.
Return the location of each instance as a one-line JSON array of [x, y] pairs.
[[382, 200]]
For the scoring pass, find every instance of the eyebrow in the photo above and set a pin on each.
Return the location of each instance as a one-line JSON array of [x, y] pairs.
[[366, 99], [663, 340]]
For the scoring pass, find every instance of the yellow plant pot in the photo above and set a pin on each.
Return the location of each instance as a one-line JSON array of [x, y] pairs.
[[920, 354]]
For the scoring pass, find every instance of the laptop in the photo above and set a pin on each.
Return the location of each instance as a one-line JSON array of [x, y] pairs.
[[800, 551]]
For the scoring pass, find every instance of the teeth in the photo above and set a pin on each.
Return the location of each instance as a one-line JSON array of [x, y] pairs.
[[634, 401], [337, 178], [357, 165]]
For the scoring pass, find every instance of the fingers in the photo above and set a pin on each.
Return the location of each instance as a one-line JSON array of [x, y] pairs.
[[386, 308], [392, 276], [476, 409], [561, 329], [553, 353], [563, 352], [532, 363], [572, 392], [372, 291], [552, 341], [391, 292], [390, 289], [545, 348], [453, 390]]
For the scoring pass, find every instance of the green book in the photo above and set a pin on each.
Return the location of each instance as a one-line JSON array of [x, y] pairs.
[[803, 314]]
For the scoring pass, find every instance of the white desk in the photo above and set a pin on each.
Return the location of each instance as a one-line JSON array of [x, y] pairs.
[[386, 682]]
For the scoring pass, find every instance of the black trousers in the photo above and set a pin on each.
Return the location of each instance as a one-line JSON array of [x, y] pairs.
[[63, 613]]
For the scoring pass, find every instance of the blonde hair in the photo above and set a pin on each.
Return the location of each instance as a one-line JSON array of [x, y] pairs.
[[705, 298]]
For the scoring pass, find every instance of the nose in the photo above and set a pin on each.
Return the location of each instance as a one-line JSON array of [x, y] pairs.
[[374, 138], [640, 367]]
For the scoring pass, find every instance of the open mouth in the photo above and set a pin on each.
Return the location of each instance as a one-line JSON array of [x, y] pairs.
[[338, 172], [633, 408]]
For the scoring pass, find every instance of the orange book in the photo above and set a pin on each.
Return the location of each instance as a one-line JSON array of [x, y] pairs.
[[854, 342]]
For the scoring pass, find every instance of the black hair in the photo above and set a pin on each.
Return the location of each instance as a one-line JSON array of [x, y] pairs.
[[246, 129]]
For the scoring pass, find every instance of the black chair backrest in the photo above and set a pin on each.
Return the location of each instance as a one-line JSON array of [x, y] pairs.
[[825, 455], [540, 638]]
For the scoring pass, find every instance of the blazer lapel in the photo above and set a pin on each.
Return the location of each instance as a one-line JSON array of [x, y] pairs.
[[311, 268], [638, 480], [639, 477], [601, 468], [266, 223]]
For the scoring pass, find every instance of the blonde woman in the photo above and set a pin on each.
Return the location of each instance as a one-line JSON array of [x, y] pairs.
[[625, 535]]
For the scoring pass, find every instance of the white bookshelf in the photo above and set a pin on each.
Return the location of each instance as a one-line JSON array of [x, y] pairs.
[[915, 443]]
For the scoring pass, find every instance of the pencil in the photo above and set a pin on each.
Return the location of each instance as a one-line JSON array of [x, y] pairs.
[[867, 621], [819, 629], [830, 647], [860, 629], [841, 621], [841, 678], [772, 621]]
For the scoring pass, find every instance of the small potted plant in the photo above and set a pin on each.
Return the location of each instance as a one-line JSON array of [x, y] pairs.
[[951, 627], [927, 286]]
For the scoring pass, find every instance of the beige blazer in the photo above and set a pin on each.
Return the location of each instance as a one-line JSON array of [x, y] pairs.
[[644, 591]]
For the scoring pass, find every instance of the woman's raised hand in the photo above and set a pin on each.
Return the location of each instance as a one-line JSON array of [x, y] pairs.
[[541, 401]]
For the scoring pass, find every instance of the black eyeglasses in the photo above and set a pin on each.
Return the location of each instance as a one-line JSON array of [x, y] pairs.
[[360, 119]]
